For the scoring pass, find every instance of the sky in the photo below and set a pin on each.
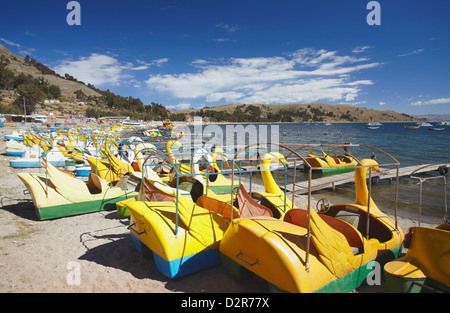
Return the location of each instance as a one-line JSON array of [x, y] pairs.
[[383, 55]]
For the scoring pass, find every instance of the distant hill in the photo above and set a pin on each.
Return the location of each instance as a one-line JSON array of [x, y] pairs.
[[75, 96], [435, 117], [68, 88], [314, 112]]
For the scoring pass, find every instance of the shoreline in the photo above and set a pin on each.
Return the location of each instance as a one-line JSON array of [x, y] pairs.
[[38, 256]]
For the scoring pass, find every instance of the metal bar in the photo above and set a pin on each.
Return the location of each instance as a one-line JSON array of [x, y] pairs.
[[293, 183], [308, 236], [396, 197], [232, 187], [445, 198], [420, 199], [368, 203]]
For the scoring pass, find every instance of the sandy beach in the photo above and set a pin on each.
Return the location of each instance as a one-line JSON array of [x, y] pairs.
[[40, 256]]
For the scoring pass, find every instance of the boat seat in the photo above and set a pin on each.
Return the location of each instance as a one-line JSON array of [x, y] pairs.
[[351, 218], [300, 218], [220, 207], [248, 207], [427, 257], [95, 181]]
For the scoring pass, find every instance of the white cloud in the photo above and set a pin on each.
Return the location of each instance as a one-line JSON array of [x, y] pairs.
[[159, 62], [99, 69], [23, 50], [382, 103], [417, 51], [431, 102], [10, 43], [229, 96], [220, 40], [361, 49], [307, 75], [26, 51], [229, 28], [180, 106]]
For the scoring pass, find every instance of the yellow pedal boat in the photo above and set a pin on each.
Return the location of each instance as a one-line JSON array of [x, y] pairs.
[[58, 194], [332, 255]]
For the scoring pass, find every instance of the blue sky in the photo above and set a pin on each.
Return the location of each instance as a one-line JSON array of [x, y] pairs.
[[197, 53]]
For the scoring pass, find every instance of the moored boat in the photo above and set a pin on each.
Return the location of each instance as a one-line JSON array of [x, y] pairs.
[[326, 251], [411, 126], [330, 163], [426, 265], [57, 193]]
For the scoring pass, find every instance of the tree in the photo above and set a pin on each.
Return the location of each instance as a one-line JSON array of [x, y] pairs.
[[80, 95], [54, 91], [32, 95], [6, 76]]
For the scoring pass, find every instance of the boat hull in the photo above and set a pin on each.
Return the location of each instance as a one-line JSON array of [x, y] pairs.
[[177, 251], [344, 284], [255, 245], [33, 163], [83, 171], [16, 138], [64, 210], [13, 152], [182, 266]]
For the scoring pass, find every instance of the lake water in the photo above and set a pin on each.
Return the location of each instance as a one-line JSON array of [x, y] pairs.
[[407, 146]]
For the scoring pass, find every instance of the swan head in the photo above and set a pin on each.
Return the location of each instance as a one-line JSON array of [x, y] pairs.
[[204, 153], [276, 157], [218, 150], [171, 143], [370, 163], [143, 146]]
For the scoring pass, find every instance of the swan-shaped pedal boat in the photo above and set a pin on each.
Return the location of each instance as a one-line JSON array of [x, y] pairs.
[[334, 256]]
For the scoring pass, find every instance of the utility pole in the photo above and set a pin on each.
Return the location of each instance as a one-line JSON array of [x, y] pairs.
[[24, 111]]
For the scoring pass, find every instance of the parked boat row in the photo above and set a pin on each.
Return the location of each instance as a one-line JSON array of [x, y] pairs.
[[195, 207]]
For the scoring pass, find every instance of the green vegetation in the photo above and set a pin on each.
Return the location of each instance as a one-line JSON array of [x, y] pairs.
[[34, 90], [252, 114]]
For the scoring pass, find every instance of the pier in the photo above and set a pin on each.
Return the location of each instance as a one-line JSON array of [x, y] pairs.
[[339, 179]]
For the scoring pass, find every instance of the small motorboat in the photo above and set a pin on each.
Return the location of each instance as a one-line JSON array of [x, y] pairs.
[[425, 124], [436, 128]]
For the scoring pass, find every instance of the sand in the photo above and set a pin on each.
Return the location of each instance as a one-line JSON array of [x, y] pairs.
[[47, 256]]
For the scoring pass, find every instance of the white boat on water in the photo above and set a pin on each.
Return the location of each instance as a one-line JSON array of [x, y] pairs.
[[426, 124], [132, 123]]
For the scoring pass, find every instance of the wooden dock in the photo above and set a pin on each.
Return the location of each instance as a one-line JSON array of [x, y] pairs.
[[339, 179]]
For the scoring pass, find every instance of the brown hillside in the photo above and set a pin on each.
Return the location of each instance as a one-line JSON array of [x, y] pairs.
[[330, 113], [18, 65]]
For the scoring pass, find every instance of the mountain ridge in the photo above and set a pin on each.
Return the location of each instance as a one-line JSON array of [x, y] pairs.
[[313, 112], [68, 88]]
